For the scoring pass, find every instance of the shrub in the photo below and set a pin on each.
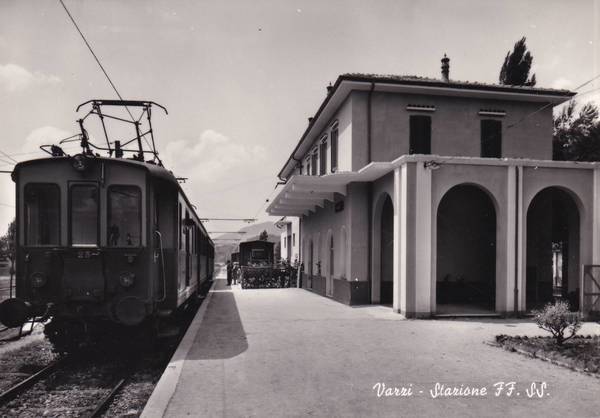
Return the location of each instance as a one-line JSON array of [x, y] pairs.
[[557, 319]]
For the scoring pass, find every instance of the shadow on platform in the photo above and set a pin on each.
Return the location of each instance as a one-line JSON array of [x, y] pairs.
[[222, 334]]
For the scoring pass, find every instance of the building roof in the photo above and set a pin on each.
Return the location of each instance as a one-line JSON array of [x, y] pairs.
[[346, 83], [469, 85]]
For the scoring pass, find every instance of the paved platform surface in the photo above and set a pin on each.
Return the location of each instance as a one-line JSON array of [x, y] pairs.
[[288, 352]]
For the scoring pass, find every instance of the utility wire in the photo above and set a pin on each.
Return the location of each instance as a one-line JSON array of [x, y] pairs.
[[94, 55], [99, 63], [8, 156], [550, 104]]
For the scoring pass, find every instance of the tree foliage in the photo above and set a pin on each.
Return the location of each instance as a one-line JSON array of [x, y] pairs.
[[577, 134], [516, 67], [7, 241]]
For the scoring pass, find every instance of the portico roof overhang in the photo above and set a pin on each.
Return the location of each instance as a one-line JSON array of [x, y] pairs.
[[302, 194]]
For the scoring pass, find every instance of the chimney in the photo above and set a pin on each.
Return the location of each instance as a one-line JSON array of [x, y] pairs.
[[445, 69], [310, 119], [329, 88]]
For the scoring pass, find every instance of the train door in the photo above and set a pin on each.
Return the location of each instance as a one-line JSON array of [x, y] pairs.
[[188, 255], [84, 266]]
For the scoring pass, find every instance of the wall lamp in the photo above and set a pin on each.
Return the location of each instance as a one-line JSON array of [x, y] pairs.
[[432, 165]]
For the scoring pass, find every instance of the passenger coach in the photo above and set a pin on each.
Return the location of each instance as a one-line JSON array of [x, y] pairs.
[[103, 241]]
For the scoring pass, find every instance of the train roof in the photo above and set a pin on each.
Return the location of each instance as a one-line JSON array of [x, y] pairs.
[[154, 170]]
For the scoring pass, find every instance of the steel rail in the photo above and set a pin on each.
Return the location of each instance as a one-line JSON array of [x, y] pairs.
[[23, 385]]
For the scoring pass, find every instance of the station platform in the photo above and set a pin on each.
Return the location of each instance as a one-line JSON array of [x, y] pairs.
[[289, 352]]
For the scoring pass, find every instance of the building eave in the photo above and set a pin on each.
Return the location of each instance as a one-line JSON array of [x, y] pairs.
[[303, 195], [347, 83]]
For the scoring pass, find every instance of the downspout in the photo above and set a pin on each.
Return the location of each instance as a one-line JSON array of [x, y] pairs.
[[516, 289], [370, 196], [300, 255]]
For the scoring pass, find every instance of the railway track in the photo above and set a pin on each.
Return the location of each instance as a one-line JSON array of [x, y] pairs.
[[61, 389]]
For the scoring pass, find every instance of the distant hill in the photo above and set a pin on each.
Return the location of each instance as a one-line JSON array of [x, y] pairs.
[[223, 249]]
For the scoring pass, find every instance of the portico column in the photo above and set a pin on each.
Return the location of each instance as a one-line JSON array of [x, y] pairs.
[[506, 293], [399, 260], [422, 239], [412, 240]]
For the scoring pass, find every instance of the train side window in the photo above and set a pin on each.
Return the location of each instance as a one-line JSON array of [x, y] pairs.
[[84, 215], [42, 214], [179, 226], [124, 216]]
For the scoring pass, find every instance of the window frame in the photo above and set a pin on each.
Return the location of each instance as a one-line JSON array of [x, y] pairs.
[[412, 144], [332, 148], [314, 163], [491, 122], [71, 185], [108, 213], [322, 149], [25, 229]]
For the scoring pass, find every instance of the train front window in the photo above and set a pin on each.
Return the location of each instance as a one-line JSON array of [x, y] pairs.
[[124, 216], [84, 215], [42, 214]]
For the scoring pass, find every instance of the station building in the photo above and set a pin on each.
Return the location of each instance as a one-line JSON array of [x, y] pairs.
[[440, 197], [289, 244]]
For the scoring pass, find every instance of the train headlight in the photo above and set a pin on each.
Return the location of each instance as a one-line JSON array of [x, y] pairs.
[[38, 280], [80, 162], [127, 279]]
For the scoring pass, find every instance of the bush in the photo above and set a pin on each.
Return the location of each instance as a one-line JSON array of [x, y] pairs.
[[557, 319]]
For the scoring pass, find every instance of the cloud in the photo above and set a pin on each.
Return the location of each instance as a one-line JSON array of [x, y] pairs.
[[16, 78], [211, 157], [44, 135], [562, 83]]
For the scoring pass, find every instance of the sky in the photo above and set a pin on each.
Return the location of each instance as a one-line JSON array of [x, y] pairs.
[[240, 78]]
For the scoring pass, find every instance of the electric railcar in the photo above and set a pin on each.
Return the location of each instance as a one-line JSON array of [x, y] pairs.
[[103, 243]]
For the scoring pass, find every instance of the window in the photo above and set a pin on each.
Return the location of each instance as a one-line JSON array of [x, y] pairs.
[[179, 226], [307, 165], [491, 138], [84, 215], [313, 163], [294, 239], [331, 256], [284, 241], [334, 149], [420, 135], [323, 157], [42, 214], [124, 216]]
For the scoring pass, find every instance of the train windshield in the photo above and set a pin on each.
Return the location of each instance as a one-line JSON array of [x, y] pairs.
[[84, 215], [124, 216], [42, 214]]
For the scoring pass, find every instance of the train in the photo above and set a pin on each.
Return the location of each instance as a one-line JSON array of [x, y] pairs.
[[105, 245]]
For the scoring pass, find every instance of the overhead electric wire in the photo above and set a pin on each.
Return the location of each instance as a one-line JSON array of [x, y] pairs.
[[99, 63], [8, 156], [551, 104], [94, 55]]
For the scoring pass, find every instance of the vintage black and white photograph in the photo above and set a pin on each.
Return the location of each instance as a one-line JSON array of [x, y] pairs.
[[299, 208]]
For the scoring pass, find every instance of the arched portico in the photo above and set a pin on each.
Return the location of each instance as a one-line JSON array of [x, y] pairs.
[[330, 265], [553, 248], [466, 251], [382, 256]]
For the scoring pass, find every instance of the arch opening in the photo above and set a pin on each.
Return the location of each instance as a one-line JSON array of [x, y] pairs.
[[387, 252], [552, 271], [466, 252]]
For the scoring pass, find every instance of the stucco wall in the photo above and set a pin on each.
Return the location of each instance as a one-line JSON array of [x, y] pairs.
[[343, 118], [315, 227], [455, 126]]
